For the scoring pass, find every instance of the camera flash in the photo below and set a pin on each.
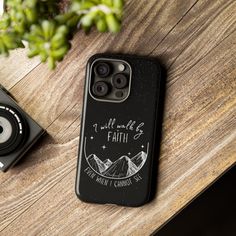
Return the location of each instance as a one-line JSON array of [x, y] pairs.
[[121, 67]]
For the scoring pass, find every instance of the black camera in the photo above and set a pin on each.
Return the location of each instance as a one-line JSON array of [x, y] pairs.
[[18, 131]]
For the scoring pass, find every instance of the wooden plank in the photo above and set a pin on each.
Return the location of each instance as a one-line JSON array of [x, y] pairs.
[[15, 67], [196, 35], [199, 130]]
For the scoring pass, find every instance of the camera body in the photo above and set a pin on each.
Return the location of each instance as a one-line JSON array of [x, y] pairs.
[[18, 131]]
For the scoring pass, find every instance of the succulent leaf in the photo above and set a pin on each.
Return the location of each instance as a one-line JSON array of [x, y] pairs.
[[48, 40], [49, 25]]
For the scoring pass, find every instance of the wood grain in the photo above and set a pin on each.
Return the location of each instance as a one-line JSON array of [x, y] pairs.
[[196, 42]]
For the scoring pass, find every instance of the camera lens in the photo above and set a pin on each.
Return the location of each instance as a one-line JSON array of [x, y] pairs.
[[102, 69], [13, 129], [100, 89], [120, 81], [5, 130]]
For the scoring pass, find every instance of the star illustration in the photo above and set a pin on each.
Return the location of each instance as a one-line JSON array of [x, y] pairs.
[[91, 137], [142, 146], [104, 147], [129, 153]]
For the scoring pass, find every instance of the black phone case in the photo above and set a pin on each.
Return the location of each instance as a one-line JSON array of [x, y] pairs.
[[119, 171]]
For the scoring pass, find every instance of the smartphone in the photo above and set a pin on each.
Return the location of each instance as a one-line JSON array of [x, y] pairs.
[[118, 130]]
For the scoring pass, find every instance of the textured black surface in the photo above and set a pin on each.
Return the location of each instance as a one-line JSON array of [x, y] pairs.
[[212, 214], [140, 107]]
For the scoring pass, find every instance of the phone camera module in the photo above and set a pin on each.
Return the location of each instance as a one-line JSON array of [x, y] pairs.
[[100, 89], [120, 81], [110, 80], [102, 69]]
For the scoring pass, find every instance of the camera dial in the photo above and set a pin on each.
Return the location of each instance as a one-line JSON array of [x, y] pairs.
[[102, 69], [12, 129]]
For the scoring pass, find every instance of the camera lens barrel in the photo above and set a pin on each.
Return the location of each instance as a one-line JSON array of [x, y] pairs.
[[13, 129], [120, 81], [102, 69], [100, 89]]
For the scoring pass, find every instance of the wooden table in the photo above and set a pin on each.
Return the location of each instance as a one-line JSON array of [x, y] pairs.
[[196, 41]]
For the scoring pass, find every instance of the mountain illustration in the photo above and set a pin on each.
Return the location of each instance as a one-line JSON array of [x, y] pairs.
[[96, 163], [123, 167], [108, 162], [139, 159]]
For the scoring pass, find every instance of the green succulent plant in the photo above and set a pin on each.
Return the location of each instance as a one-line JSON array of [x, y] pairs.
[[49, 25]]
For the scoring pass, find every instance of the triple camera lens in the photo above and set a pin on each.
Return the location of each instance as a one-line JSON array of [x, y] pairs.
[[110, 80]]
